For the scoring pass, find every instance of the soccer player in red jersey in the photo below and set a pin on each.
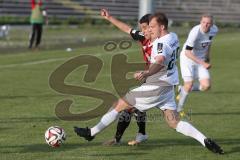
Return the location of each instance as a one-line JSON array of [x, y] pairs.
[[38, 15]]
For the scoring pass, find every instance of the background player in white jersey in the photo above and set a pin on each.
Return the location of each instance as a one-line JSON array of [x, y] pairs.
[[157, 92], [144, 38], [195, 59]]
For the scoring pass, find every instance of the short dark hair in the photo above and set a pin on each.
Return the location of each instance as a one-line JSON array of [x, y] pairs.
[[145, 19], [161, 19]]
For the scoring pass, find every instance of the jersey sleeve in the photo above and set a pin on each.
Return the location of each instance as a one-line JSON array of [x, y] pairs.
[[137, 35], [213, 32], [192, 36], [160, 49]]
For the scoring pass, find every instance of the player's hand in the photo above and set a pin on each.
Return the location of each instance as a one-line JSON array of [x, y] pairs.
[[207, 65], [105, 13], [140, 76]]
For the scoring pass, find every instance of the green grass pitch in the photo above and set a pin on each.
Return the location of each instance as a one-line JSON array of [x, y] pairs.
[[27, 109]]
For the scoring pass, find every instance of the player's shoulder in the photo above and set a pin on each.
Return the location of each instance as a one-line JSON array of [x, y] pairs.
[[173, 36], [158, 41], [213, 30], [170, 39], [195, 30], [168, 42]]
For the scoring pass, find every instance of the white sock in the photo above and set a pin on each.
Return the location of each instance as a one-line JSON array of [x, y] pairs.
[[106, 120], [196, 87], [188, 130], [183, 97]]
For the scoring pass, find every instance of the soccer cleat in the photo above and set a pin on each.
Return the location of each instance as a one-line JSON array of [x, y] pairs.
[[178, 97], [84, 132], [139, 138], [182, 114], [133, 143], [111, 142], [212, 146]]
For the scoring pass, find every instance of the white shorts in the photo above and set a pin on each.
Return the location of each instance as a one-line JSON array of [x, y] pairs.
[[192, 71], [148, 96]]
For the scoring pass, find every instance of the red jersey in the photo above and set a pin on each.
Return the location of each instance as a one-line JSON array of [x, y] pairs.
[[147, 50], [36, 2]]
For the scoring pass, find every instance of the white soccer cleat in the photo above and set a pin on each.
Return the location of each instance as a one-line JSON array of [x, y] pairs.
[[139, 138]]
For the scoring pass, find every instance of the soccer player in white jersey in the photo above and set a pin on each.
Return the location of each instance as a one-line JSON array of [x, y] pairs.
[[195, 59], [158, 91], [145, 40]]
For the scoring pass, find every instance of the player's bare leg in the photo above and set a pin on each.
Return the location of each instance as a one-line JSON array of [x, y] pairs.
[[107, 119], [172, 119], [205, 84], [202, 85]]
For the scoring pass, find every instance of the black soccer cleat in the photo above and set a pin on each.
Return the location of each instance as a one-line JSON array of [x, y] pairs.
[[212, 146], [84, 132]]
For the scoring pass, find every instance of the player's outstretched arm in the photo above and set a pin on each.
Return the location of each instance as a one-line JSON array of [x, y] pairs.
[[121, 25], [190, 55]]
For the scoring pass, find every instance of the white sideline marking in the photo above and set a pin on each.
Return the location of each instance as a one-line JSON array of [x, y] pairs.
[[37, 62], [32, 63], [55, 60]]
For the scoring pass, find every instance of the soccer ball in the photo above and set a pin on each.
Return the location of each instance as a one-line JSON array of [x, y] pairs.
[[55, 136]]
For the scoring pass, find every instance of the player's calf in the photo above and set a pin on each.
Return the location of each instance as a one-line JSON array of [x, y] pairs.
[[172, 118]]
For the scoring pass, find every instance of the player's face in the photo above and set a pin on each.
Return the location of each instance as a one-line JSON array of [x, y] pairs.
[[154, 29], [144, 27], [206, 23]]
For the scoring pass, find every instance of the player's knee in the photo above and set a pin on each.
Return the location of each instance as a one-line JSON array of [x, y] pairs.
[[121, 105], [172, 118], [205, 87], [188, 87], [121, 102], [172, 122]]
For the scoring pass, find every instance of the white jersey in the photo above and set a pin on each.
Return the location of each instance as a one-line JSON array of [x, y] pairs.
[[166, 46], [200, 41]]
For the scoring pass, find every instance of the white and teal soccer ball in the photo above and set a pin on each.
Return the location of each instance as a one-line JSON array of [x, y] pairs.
[[55, 136]]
